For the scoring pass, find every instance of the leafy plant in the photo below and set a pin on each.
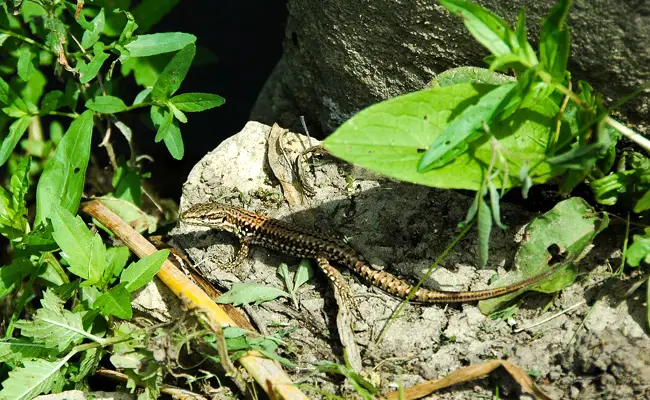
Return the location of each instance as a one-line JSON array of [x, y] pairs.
[[61, 75], [481, 130]]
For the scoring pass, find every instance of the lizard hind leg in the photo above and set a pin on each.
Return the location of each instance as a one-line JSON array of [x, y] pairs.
[[339, 284]]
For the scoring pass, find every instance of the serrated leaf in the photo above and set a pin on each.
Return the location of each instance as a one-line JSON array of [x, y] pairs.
[[13, 351], [140, 273], [172, 76], [572, 225], [117, 302], [195, 102], [84, 252], [88, 363], [247, 293], [106, 104], [158, 43], [54, 327], [16, 131], [62, 180], [33, 378]]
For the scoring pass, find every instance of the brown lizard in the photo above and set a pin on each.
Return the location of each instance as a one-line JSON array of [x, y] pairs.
[[255, 229]]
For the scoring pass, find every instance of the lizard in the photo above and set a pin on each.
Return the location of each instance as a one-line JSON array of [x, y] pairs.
[[255, 229]]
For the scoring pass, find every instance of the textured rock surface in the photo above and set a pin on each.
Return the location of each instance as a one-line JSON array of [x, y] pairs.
[[403, 228], [341, 56]]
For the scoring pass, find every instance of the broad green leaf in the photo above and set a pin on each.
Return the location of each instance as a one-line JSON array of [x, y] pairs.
[[106, 104], [146, 70], [643, 203], [247, 293], [84, 252], [53, 325], [33, 378], [17, 350], [25, 66], [140, 273], [554, 41], [16, 131], [63, 178], [11, 275], [172, 76], [128, 184], [283, 272], [572, 225], [51, 101], [469, 121], [158, 43], [93, 30], [131, 214], [117, 302], [194, 102], [304, 273], [639, 250], [484, 230], [88, 72], [116, 258], [16, 106], [488, 29], [88, 363], [144, 95], [174, 141], [390, 137]]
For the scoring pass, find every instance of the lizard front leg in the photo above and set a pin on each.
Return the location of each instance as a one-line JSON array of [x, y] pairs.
[[242, 253]]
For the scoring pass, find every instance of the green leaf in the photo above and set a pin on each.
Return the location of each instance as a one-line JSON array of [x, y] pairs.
[[84, 252], [17, 350], [128, 184], [140, 273], [88, 363], [25, 65], [194, 102], [304, 273], [16, 131], [33, 378], [93, 30], [11, 275], [129, 28], [484, 230], [172, 76], [51, 101], [469, 121], [247, 293], [639, 250], [488, 29], [116, 258], [53, 325], [390, 137], [177, 113], [168, 131], [62, 181], [572, 225], [460, 75], [158, 43], [131, 214], [88, 72], [554, 41], [643, 203], [283, 272], [106, 104], [3, 37], [116, 301]]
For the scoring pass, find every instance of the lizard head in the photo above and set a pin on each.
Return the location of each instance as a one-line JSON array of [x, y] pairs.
[[213, 215]]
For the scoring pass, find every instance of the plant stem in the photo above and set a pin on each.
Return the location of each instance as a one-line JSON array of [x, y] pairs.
[[26, 39], [629, 133]]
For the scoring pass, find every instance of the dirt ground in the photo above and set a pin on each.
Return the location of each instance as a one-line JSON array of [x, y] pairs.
[[586, 353]]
